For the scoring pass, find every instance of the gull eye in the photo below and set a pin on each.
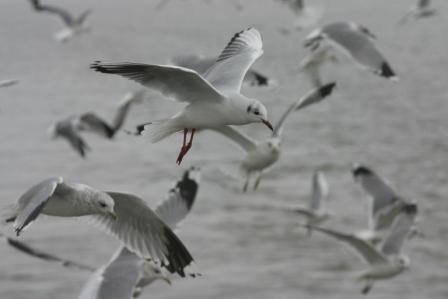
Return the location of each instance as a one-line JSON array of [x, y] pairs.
[[156, 271], [256, 112], [102, 204]]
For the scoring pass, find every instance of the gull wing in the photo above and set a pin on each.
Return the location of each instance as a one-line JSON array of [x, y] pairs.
[[117, 279], [83, 16], [66, 17], [369, 253], [194, 62], [319, 191], [91, 122], [180, 83], [229, 70], [145, 234], [238, 137], [314, 96], [400, 229], [180, 199]]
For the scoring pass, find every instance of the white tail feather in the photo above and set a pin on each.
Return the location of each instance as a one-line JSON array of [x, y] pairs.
[[160, 130]]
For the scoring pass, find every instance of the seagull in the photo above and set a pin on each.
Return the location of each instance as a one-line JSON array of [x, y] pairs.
[[202, 64], [316, 213], [125, 216], [311, 64], [214, 99], [8, 82], [384, 204], [355, 41], [306, 15], [71, 127], [261, 155], [73, 25], [387, 261], [421, 10]]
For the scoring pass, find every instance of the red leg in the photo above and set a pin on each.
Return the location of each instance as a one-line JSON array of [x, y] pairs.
[[185, 147]]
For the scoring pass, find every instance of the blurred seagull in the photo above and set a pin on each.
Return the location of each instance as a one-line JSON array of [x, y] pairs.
[[214, 100], [420, 10], [356, 42], [306, 15], [8, 82], [316, 212], [74, 25], [313, 62], [202, 64], [387, 261], [71, 127], [384, 204], [261, 155], [125, 216]]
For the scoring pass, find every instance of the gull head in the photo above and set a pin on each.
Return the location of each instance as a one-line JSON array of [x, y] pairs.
[[104, 204], [274, 145], [257, 112], [152, 272], [402, 262]]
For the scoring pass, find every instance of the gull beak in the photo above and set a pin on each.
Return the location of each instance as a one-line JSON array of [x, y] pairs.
[[113, 215], [268, 124], [167, 280]]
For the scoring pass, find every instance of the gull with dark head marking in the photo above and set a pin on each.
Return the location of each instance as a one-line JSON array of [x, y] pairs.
[[261, 155], [71, 127], [386, 261], [316, 213], [214, 99], [125, 216], [356, 42], [73, 25], [422, 9]]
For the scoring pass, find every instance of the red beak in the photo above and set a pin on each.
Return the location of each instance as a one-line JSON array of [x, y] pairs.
[[268, 124]]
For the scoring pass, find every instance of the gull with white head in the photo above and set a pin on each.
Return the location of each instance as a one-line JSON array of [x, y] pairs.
[[356, 42], [261, 155], [73, 25], [386, 261], [214, 99]]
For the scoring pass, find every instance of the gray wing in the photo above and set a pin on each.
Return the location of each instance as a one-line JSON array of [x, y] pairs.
[[66, 17], [180, 83], [363, 248], [83, 16], [91, 122], [238, 137], [422, 4], [69, 130], [180, 198], [400, 230], [357, 44], [31, 203], [124, 107], [8, 82], [319, 191], [255, 78], [314, 96], [194, 62], [25, 248], [229, 70], [142, 231], [295, 5]]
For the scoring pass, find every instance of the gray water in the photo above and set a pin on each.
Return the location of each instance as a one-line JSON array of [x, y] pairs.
[[243, 248]]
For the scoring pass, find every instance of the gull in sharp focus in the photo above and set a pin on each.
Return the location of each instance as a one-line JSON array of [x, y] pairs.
[[214, 99], [384, 204], [202, 64], [71, 127], [125, 216], [316, 212], [356, 42], [262, 155], [8, 82], [422, 9], [386, 261], [73, 25]]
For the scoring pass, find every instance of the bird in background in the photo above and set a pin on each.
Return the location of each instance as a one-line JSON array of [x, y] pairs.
[[386, 260], [316, 212], [312, 63], [422, 9], [213, 99], [8, 82], [74, 25], [71, 127], [305, 15], [356, 42], [262, 155]]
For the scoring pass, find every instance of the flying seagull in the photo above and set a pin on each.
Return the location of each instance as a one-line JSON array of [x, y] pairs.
[[313, 62], [422, 9], [316, 213], [71, 127], [261, 155], [356, 42], [387, 261], [202, 64], [8, 82], [125, 216], [73, 25], [214, 100], [306, 15]]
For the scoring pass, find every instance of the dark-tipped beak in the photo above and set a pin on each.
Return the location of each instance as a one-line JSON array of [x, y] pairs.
[[268, 124]]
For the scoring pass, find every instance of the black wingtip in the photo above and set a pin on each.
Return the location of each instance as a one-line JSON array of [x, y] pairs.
[[188, 187], [178, 256], [410, 208], [387, 72], [327, 89], [361, 170], [11, 219], [96, 66]]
